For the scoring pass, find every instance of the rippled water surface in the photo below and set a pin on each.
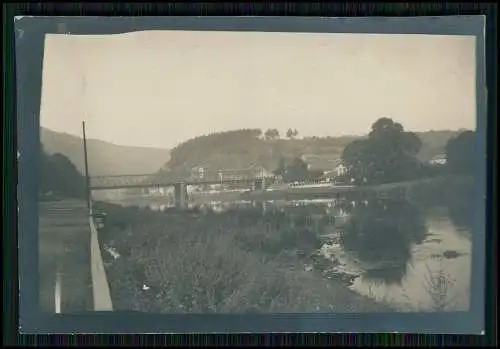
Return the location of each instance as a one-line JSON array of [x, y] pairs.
[[439, 266]]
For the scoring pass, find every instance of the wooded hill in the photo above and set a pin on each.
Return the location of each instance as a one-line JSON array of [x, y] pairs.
[[237, 149], [245, 148], [104, 158]]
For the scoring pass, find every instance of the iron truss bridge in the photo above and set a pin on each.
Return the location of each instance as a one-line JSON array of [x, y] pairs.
[[153, 181]]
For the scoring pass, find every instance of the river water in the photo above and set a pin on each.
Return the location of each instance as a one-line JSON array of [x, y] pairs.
[[437, 274], [411, 270]]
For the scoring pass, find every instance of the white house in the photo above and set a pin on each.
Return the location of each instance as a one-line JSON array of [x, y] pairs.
[[341, 170], [198, 172], [251, 172], [262, 172], [201, 172]]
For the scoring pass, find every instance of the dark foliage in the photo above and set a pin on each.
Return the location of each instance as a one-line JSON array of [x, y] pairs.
[[384, 232], [60, 177], [247, 148], [460, 153], [296, 170], [389, 154]]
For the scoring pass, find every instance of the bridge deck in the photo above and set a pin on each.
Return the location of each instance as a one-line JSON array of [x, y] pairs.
[[144, 181]]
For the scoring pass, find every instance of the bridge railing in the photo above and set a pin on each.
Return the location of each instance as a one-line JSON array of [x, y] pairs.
[[125, 181], [129, 180]]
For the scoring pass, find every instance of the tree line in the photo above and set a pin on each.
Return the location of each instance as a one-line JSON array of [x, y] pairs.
[[273, 134], [389, 153]]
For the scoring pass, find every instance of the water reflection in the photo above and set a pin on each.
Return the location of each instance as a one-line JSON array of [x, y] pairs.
[[417, 261], [390, 273], [381, 235]]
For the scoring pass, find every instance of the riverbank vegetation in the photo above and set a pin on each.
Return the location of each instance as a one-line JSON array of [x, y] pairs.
[[232, 262], [243, 260]]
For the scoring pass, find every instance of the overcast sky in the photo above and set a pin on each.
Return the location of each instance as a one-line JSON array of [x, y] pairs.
[[160, 88]]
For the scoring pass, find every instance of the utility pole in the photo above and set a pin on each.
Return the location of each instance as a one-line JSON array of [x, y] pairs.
[[87, 178]]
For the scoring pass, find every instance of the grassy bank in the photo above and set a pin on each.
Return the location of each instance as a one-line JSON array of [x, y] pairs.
[[234, 262]]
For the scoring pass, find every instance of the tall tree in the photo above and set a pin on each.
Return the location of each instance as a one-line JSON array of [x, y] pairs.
[[275, 133], [289, 133], [297, 171], [281, 169], [359, 158], [272, 134], [388, 154], [460, 153]]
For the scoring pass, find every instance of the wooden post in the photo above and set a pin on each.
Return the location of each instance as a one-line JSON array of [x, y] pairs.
[[87, 179]]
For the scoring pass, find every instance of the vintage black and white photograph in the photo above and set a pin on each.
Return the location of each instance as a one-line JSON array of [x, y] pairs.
[[231, 172]]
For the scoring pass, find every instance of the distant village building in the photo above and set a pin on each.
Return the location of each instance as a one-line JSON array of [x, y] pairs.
[[247, 173], [224, 174], [329, 176], [326, 163], [198, 172], [201, 172], [263, 172], [341, 170], [157, 191], [319, 162]]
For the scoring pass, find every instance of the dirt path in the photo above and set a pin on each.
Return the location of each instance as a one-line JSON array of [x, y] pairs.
[[64, 257]]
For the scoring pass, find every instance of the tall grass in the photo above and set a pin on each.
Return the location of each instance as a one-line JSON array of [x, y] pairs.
[[224, 263], [438, 285]]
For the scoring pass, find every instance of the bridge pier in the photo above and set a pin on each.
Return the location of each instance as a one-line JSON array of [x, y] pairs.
[[180, 195]]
